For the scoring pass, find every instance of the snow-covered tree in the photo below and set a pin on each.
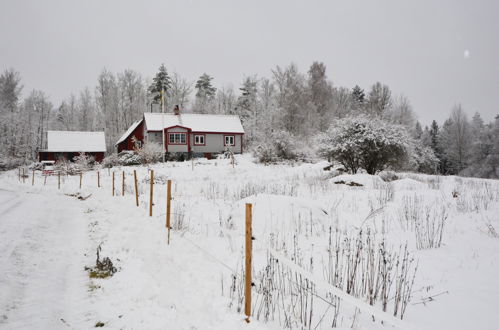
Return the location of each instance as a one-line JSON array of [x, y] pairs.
[[358, 98], [454, 140], [320, 93], [379, 100], [362, 142], [205, 94], [291, 98], [160, 82]]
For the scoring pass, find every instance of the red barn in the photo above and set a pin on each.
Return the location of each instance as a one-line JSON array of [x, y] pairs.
[[69, 144]]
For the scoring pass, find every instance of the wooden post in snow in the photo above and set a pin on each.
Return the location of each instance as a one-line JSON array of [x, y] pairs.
[[24, 179], [19, 174], [113, 183], [59, 179], [33, 178], [151, 193], [123, 183], [136, 187], [98, 179], [247, 283], [168, 207], [81, 177]]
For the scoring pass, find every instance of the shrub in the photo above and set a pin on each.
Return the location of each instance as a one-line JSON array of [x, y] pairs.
[[8, 163], [111, 161], [277, 146], [150, 152], [84, 161], [363, 142]]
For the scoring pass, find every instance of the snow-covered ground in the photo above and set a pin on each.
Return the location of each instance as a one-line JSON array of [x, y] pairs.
[[47, 238]]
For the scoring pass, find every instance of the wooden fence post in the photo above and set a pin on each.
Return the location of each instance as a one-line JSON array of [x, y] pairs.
[[113, 183], [123, 183], [24, 179], [98, 179], [81, 177], [168, 207], [33, 178], [151, 193], [19, 174], [136, 187], [249, 243], [59, 179]]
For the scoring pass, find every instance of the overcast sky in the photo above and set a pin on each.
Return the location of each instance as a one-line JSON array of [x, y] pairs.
[[437, 53]]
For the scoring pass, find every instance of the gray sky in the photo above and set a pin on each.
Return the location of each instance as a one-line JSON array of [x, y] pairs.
[[437, 53]]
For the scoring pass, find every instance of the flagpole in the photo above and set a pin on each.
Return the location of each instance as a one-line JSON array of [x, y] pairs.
[[163, 122]]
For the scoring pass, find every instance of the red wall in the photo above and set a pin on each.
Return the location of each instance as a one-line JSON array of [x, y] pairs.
[[128, 144], [44, 155]]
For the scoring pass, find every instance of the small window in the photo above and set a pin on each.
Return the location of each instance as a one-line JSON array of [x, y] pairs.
[[199, 140], [176, 138], [230, 140]]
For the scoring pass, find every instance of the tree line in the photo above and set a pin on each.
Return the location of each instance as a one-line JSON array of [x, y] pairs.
[[287, 108]]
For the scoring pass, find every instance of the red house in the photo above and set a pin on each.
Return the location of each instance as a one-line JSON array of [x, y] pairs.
[[69, 144], [185, 133]]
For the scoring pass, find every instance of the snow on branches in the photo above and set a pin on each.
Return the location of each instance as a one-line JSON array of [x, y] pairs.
[[362, 142]]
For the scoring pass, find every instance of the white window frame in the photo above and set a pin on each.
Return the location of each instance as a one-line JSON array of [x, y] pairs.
[[178, 138], [229, 137], [199, 140]]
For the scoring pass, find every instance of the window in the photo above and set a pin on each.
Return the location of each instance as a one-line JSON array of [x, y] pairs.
[[176, 138], [230, 140], [199, 140]]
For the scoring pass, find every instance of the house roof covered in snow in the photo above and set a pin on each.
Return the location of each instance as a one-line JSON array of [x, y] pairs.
[[128, 131], [196, 122], [71, 141]]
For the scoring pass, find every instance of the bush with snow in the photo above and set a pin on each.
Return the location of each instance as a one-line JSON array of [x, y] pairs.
[[150, 152], [278, 146], [421, 158], [362, 142], [84, 162], [8, 163]]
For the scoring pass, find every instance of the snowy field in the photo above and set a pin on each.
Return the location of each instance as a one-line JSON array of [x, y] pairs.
[[424, 246]]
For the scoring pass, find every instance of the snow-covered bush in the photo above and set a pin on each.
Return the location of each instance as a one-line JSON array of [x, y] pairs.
[[421, 158], [129, 158], [111, 161], [38, 166], [150, 152], [67, 167], [83, 161], [361, 142], [278, 146], [388, 176], [8, 163]]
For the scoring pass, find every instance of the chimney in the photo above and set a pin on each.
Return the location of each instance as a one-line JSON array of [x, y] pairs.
[[176, 110]]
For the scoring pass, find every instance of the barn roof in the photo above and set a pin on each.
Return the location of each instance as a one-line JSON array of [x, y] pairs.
[[72, 141], [128, 132], [196, 122]]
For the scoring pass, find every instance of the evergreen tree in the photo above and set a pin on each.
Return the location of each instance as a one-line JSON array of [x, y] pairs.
[[320, 93], [161, 82], [247, 106], [434, 130], [204, 87], [358, 97], [418, 131], [205, 95]]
